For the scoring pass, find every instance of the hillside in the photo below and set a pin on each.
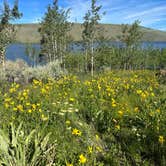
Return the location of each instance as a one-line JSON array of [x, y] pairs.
[[29, 33]]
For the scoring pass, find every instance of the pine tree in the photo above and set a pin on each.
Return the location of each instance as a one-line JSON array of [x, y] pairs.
[[89, 33], [54, 32], [7, 30]]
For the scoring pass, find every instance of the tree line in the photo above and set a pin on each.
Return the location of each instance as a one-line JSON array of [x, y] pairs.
[[55, 39]]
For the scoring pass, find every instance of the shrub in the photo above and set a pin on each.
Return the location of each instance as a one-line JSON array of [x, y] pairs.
[[50, 70], [20, 72]]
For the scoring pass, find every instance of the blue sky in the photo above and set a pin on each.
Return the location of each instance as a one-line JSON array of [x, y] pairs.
[[151, 13]]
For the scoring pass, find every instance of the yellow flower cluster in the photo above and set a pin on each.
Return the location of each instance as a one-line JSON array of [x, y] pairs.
[[21, 100], [109, 100]]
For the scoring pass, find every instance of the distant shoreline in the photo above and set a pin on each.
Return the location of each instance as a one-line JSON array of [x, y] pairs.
[[18, 42]]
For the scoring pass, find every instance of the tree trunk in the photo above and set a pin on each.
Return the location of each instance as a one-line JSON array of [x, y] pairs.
[[92, 59], [2, 57], [86, 60], [34, 61]]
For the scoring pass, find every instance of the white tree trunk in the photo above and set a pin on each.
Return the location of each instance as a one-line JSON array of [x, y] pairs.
[[92, 59]]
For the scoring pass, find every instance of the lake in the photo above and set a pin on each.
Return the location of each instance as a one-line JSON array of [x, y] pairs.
[[18, 51]]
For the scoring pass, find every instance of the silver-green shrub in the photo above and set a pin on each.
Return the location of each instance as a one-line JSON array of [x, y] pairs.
[[50, 70], [20, 72]]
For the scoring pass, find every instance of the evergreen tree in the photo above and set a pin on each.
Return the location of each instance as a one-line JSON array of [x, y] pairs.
[[89, 33], [7, 30], [54, 31]]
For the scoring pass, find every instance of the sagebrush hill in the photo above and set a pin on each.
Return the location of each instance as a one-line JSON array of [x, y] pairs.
[[28, 33]]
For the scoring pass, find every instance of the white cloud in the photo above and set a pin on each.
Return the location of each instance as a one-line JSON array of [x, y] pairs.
[[78, 9], [147, 22], [162, 29], [146, 12]]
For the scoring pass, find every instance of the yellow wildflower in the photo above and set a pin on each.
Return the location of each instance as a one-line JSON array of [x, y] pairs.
[[97, 137], [15, 109], [40, 110], [72, 99], [12, 90], [38, 104], [28, 104], [25, 94], [99, 87], [152, 94], [139, 91], [90, 149], [30, 111], [17, 86], [36, 82], [43, 91], [76, 132], [120, 113], [44, 118], [6, 105], [20, 107], [21, 98], [82, 159], [161, 139], [136, 109], [12, 102], [8, 99], [68, 122], [113, 103], [33, 106], [143, 95], [117, 127], [127, 86]]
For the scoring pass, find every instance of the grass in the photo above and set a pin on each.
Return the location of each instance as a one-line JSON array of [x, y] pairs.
[[115, 118], [28, 33]]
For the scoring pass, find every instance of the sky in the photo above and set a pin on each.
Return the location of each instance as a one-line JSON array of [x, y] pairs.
[[151, 13]]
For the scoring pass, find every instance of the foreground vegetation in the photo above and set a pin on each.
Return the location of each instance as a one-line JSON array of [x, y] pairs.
[[116, 118]]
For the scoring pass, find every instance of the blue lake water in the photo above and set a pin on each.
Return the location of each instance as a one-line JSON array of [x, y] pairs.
[[18, 51]]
